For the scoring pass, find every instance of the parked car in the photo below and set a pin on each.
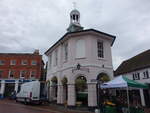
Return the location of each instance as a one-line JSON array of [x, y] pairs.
[[32, 92]]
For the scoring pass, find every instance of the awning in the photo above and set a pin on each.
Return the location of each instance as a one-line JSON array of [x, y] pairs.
[[122, 81]]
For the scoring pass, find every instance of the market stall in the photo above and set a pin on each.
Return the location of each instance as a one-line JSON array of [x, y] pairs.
[[124, 82]]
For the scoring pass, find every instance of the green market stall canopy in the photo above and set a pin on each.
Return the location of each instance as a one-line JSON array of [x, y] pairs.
[[122, 82]]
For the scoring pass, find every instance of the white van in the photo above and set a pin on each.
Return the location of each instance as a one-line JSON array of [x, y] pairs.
[[30, 92]]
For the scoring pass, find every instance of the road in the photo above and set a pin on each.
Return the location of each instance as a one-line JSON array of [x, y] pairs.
[[10, 106], [13, 107]]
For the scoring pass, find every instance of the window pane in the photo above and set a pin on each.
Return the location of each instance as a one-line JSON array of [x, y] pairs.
[[13, 62], [136, 76], [11, 73], [100, 51], [24, 62], [33, 74], [23, 73], [33, 62], [2, 62]]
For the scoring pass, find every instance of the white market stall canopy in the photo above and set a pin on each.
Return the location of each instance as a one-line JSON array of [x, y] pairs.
[[122, 82]]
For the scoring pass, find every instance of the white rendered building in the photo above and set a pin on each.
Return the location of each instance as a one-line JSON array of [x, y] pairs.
[[138, 68], [79, 54]]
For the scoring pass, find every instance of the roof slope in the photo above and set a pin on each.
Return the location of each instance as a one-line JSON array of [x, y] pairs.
[[82, 31], [19, 54], [139, 61]]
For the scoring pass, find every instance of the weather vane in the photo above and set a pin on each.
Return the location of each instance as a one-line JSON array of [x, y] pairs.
[[74, 5]]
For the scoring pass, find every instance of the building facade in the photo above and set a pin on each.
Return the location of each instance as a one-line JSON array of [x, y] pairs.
[[17, 68], [76, 62], [138, 68]]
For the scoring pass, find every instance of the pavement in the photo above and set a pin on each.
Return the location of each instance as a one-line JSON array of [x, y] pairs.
[[147, 110], [10, 106]]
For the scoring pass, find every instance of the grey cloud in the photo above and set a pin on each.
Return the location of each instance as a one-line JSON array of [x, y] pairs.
[[28, 25]]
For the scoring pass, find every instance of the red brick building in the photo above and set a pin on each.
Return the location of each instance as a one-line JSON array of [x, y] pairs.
[[16, 68]]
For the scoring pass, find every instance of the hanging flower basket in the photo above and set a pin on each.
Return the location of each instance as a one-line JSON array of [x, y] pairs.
[[48, 82], [104, 78], [54, 79], [64, 81]]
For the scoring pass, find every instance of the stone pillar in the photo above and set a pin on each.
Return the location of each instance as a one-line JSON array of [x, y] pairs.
[[71, 95], [51, 93], [16, 85], [60, 94], [142, 97], [2, 89], [92, 95], [64, 99]]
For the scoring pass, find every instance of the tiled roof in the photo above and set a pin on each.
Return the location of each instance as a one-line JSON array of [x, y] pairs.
[[137, 62]]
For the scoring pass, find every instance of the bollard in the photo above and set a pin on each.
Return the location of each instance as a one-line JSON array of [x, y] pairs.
[[97, 111]]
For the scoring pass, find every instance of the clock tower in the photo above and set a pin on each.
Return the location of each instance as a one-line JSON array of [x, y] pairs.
[[74, 21]]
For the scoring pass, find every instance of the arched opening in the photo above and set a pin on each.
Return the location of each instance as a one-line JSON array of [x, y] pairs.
[[54, 87], [81, 91], [101, 78], [65, 89]]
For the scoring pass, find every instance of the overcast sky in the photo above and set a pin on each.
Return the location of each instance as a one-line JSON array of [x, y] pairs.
[[26, 25]]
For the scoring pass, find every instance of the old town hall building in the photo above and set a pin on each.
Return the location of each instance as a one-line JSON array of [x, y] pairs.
[[76, 62]]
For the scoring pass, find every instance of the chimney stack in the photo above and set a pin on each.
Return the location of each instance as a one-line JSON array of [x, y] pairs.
[[36, 52]]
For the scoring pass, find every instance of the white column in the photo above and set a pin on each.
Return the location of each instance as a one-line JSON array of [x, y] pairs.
[[64, 95], [2, 88], [71, 95], [59, 94], [142, 97], [16, 85], [51, 93], [92, 96]]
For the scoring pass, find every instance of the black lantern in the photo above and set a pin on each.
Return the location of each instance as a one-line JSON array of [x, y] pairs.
[[78, 66]]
